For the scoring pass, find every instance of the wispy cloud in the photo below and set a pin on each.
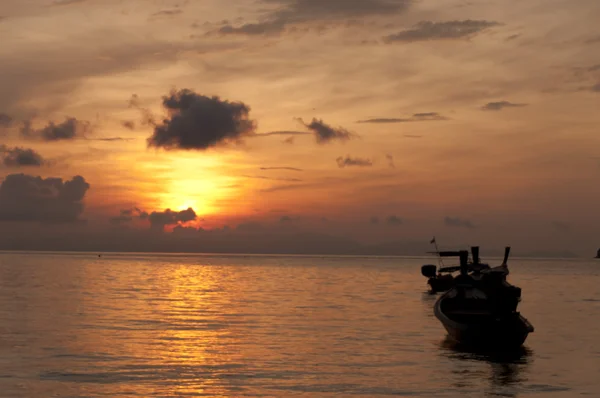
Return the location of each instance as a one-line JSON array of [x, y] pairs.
[[394, 221], [428, 30], [128, 124], [325, 133], [390, 160], [272, 178], [417, 117], [349, 161], [254, 29], [111, 139], [167, 13], [272, 133], [5, 120], [498, 106], [297, 12], [67, 2], [282, 168], [458, 222]]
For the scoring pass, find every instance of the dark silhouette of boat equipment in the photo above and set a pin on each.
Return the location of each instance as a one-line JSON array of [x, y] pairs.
[[441, 280]]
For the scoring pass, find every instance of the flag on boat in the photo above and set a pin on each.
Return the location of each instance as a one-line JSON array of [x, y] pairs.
[[432, 240]]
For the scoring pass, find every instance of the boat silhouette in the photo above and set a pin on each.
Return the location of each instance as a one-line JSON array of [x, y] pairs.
[[481, 308]]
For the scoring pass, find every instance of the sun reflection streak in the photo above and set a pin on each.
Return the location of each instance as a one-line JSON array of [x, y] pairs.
[[196, 336]]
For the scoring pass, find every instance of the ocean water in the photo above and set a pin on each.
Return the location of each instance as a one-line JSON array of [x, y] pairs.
[[75, 325]]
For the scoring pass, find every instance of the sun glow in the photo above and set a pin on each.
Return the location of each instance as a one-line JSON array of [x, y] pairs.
[[192, 181], [201, 194]]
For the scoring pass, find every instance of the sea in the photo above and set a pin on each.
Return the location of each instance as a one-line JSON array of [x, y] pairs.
[[166, 325]]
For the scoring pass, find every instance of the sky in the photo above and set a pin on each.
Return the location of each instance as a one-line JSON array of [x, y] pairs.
[[299, 125]]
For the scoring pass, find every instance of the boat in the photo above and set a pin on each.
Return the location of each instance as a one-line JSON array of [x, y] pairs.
[[442, 279], [481, 308]]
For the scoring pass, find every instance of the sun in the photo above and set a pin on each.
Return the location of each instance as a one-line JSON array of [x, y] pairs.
[[200, 194], [206, 183], [189, 204]]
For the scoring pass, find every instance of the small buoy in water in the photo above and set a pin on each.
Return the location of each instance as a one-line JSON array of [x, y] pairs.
[[99, 255]]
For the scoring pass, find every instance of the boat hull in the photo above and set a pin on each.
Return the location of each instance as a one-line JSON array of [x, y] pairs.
[[509, 331]]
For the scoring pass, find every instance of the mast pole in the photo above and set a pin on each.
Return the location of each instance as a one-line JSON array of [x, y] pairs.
[[434, 242]]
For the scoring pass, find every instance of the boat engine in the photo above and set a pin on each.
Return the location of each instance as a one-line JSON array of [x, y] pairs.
[[429, 270]]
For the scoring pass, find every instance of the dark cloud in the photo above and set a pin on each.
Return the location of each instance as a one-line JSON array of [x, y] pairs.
[[161, 219], [20, 157], [596, 88], [325, 133], [428, 30], [561, 226], [286, 220], [70, 129], [458, 222], [47, 200], [5, 120], [197, 122], [128, 215], [393, 221], [350, 161], [374, 220], [498, 106], [293, 12], [417, 117], [390, 160], [413, 136]]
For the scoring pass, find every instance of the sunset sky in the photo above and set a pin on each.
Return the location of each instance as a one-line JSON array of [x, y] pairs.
[[368, 120]]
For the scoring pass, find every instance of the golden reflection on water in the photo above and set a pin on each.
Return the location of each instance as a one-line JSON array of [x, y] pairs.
[[196, 309], [76, 325]]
